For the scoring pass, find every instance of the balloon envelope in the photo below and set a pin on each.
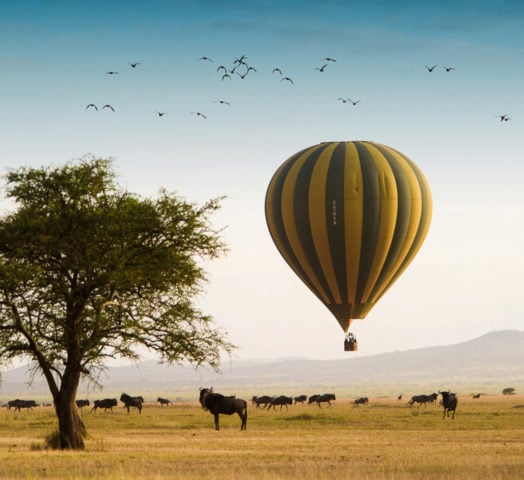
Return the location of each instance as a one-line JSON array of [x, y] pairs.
[[348, 218]]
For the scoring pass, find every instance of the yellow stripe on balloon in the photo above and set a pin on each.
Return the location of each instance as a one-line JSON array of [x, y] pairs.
[[388, 217], [318, 219], [288, 218], [414, 221], [353, 218]]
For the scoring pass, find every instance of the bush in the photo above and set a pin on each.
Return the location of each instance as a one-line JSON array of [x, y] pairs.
[[52, 440], [508, 391]]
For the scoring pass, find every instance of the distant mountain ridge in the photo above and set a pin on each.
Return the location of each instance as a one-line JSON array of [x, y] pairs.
[[487, 363]]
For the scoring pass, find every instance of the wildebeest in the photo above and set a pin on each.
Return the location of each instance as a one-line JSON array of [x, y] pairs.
[[423, 399], [106, 404], [216, 403], [132, 402], [281, 400], [313, 398], [476, 395], [263, 400], [82, 403], [360, 401], [18, 404], [164, 401], [300, 399], [449, 402], [325, 398]]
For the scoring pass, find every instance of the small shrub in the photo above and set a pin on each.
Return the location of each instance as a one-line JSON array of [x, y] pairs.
[[52, 440]]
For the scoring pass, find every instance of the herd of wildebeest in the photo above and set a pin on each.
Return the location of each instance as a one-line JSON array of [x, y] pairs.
[[217, 404]]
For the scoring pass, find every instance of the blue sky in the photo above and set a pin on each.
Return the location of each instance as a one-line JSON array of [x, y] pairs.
[[467, 278]]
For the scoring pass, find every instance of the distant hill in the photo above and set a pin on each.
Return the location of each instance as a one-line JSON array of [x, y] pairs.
[[485, 364]]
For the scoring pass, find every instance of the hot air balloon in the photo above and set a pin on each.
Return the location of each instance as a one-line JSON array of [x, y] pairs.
[[348, 218]]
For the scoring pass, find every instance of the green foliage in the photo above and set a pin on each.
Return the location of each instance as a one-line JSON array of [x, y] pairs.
[[89, 271]]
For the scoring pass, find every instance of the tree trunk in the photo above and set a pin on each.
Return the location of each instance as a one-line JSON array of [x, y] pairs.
[[71, 427]]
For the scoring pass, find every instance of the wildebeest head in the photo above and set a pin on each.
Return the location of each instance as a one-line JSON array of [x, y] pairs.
[[204, 392]]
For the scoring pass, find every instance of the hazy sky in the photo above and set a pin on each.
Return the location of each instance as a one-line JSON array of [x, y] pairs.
[[467, 279]]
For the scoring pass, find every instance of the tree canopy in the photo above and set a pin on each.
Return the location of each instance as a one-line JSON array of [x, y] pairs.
[[90, 271]]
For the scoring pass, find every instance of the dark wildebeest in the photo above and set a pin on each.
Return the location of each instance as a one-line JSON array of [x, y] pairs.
[[132, 402], [300, 399], [325, 398], [82, 403], [106, 404], [423, 399], [360, 401], [18, 404], [313, 399], [263, 400], [216, 403], [164, 401], [449, 402], [281, 400], [477, 395]]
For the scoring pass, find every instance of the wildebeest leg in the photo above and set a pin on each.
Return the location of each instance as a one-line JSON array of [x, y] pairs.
[[243, 417], [217, 425]]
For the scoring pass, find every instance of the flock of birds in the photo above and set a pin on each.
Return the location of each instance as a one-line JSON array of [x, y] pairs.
[[242, 69]]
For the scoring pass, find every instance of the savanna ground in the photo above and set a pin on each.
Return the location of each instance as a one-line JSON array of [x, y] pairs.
[[384, 440]]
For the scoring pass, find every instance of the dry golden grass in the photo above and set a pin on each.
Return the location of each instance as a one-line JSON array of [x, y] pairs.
[[385, 440]]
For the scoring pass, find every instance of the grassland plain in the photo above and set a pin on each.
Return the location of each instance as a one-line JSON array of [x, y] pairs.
[[384, 440]]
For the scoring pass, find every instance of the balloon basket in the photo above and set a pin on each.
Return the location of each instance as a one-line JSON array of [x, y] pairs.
[[350, 344]]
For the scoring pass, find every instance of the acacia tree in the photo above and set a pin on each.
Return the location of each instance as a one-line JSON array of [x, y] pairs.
[[90, 271]]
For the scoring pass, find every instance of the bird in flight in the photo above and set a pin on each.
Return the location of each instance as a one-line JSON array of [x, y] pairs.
[[328, 59], [198, 114], [276, 69], [111, 73], [222, 68], [226, 75], [287, 79], [160, 114], [345, 100], [222, 102], [448, 69], [206, 59], [92, 105], [321, 69], [503, 118], [430, 69], [240, 60], [133, 65], [108, 106]]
